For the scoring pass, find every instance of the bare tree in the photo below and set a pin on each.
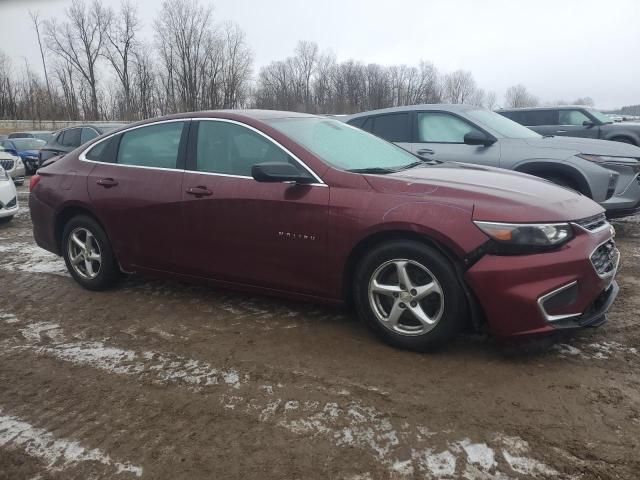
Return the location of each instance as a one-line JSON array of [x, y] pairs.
[[459, 87], [80, 42], [183, 34], [236, 66], [121, 41], [491, 100], [518, 96], [586, 101], [35, 18]]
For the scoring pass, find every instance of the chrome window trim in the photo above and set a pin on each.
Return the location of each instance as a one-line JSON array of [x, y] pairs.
[[82, 157], [556, 318]]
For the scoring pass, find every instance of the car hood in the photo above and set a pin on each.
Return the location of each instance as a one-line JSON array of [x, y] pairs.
[[494, 194], [586, 145], [28, 153]]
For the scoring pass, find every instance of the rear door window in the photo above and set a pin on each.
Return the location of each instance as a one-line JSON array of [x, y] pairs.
[[534, 118], [154, 146], [393, 127]]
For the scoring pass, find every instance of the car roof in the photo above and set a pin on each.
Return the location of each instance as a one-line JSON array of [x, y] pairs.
[[448, 107], [558, 107]]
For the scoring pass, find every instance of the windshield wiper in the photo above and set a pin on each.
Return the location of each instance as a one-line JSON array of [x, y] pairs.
[[379, 170], [431, 161]]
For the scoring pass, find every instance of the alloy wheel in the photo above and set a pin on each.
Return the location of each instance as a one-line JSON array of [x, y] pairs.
[[406, 297], [84, 253]]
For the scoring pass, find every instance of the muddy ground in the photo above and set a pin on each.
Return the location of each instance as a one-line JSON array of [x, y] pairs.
[[163, 380]]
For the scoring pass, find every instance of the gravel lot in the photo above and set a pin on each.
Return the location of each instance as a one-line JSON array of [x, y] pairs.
[[160, 379]]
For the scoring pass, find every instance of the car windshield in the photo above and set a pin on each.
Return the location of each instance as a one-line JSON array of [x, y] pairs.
[[28, 143], [600, 116], [501, 125], [343, 146]]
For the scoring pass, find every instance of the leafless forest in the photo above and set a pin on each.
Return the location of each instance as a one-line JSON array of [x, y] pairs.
[[95, 65]]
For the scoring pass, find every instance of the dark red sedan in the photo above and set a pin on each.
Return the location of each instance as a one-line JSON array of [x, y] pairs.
[[308, 207]]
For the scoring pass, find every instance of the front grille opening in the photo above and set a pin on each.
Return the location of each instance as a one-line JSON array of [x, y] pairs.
[[593, 223], [558, 303], [7, 164], [604, 258]]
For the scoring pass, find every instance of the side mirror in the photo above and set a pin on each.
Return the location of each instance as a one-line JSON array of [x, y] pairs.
[[588, 123], [279, 172], [478, 138]]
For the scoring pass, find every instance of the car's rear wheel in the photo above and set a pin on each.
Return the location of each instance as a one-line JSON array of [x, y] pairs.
[[88, 254], [408, 293], [6, 219]]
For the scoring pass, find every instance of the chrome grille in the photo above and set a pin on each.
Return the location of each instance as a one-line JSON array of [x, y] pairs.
[[605, 258], [7, 164], [594, 223]]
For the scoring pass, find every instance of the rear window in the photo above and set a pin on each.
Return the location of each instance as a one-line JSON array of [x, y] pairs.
[[70, 138]]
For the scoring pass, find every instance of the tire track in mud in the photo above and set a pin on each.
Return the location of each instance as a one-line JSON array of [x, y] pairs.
[[402, 449]]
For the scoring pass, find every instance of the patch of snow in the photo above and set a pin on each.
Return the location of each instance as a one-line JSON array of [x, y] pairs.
[[27, 257], [55, 452], [479, 454]]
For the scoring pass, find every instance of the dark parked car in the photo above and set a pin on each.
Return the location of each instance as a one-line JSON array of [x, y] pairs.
[[26, 148], [607, 172], [71, 138], [39, 134], [309, 207], [568, 121]]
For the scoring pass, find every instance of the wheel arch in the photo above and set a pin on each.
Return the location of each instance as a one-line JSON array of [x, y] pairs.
[[540, 168], [377, 238], [622, 137], [67, 213]]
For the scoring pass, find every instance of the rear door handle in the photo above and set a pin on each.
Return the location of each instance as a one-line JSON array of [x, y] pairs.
[[107, 182], [425, 151], [199, 191]]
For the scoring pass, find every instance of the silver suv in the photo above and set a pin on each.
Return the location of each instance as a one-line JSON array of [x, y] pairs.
[[608, 172]]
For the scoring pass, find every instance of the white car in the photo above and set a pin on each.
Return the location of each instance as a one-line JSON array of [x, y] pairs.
[[13, 165], [8, 197]]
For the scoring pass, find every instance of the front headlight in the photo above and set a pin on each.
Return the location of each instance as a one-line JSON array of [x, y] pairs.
[[630, 161], [528, 234]]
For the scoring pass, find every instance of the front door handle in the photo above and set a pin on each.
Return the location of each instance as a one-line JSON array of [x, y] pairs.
[[425, 151], [199, 191], [107, 182]]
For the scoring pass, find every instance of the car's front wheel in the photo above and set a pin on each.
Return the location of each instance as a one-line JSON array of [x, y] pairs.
[[88, 254], [6, 219], [409, 294]]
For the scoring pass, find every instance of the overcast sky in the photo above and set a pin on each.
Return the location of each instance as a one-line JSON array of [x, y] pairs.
[[558, 49]]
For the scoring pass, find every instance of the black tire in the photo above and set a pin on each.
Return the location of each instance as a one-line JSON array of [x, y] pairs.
[[6, 219], [452, 306], [108, 272]]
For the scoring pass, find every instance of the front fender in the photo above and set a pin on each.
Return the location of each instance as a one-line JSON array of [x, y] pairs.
[[591, 179]]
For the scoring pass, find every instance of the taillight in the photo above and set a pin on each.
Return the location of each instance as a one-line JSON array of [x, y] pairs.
[[35, 179]]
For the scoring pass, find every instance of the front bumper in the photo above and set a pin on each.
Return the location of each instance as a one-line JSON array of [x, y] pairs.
[[511, 289], [626, 199]]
